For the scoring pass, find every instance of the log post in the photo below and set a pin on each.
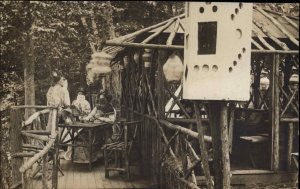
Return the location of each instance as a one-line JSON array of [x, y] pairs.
[[55, 164], [274, 108], [289, 146], [203, 151], [218, 122], [160, 93], [16, 143], [44, 171]]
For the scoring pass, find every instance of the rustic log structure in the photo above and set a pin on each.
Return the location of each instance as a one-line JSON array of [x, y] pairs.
[[187, 144], [179, 142]]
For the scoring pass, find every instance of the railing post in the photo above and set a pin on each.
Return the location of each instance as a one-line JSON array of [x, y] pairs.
[[45, 171], [16, 143]]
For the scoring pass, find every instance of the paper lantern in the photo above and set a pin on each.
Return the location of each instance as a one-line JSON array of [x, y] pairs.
[[136, 57], [294, 81], [147, 58], [264, 83], [101, 62], [173, 68]]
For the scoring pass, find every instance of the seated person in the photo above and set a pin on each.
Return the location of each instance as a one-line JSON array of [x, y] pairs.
[[83, 108], [103, 111], [81, 104]]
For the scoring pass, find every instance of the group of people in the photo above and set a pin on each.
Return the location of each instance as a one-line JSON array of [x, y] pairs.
[[58, 95]]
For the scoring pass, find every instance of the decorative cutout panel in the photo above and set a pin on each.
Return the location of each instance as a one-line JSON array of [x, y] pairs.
[[217, 51]]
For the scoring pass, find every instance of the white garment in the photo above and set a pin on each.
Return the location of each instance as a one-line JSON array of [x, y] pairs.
[[58, 96], [82, 105]]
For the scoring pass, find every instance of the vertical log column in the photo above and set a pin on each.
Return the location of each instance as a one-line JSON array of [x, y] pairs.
[[16, 143], [160, 83], [289, 146], [218, 122], [274, 108]]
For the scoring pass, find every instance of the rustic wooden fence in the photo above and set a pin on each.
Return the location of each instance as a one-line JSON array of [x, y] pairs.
[[34, 146]]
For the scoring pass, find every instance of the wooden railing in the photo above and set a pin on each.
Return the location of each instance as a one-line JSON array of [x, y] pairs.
[[34, 146]]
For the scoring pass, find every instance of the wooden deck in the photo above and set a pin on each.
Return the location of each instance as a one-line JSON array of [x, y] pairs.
[[78, 176]]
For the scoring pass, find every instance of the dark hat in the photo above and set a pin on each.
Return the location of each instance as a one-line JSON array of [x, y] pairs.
[[81, 89]]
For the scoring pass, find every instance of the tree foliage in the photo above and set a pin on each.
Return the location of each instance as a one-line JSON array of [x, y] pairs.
[[64, 35]]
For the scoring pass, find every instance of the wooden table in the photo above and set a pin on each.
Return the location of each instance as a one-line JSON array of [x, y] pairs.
[[76, 127]]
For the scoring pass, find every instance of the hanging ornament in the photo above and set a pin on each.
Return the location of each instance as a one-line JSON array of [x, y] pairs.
[[294, 81], [264, 81], [136, 57], [101, 62], [173, 68], [147, 57]]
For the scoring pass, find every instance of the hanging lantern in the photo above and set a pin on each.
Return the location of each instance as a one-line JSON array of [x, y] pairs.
[[173, 68], [294, 81], [101, 63], [264, 83], [136, 57], [147, 57], [126, 61]]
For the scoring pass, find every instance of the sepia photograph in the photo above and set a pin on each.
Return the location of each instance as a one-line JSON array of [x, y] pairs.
[[149, 95]]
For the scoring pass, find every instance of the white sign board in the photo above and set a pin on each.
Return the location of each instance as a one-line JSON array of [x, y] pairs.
[[217, 51]]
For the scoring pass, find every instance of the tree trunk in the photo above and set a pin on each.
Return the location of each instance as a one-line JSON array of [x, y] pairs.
[[29, 69], [109, 20]]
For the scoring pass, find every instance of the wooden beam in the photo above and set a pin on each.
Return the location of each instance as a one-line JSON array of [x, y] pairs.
[[256, 44], [262, 40], [183, 120], [125, 37], [181, 47], [157, 32], [218, 122], [274, 52], [23, 154], [32, 106], [277, 41], [274, 112], [184, 130], [291, 22], [139, 45], [278, 25], [37, 137], [39, 132], [173, 33]]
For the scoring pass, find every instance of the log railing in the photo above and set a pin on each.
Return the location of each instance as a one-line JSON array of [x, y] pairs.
[[34, 144]]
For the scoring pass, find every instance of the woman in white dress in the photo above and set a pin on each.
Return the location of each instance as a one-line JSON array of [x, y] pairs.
[[58, 95]]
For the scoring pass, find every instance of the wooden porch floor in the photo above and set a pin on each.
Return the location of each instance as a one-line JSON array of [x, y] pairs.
[[78, 176]]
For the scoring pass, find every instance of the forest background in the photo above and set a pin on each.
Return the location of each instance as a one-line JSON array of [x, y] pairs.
[[43, 36]]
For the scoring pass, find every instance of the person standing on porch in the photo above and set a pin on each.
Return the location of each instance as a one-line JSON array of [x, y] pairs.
[[58, 95]]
